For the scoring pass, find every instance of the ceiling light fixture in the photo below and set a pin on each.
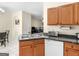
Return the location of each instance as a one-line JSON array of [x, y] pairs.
[[2, 10]]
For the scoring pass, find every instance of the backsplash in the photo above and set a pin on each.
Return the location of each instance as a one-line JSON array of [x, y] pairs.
[[75, 29]]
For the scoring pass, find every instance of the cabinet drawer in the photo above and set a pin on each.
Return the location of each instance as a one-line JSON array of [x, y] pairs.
[[71, 45], [68, 45], [24, 43], [38, 41], [76, 46]]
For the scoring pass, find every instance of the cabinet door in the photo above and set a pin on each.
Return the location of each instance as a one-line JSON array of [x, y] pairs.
[[53, 48], [52, 16], [66, 14], [26, 51], [39, 50], [76, 13], [71, 52]]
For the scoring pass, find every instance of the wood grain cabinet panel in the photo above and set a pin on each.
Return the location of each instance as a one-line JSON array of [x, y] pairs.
[[76, 13], [39, 50], [71, 49], [32, 47], [38, 41], [66, 13], [26, 51], [71, 52], [26, 42], [52, 16]]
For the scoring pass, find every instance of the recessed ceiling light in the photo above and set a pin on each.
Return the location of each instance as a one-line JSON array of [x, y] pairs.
[[2, 10]]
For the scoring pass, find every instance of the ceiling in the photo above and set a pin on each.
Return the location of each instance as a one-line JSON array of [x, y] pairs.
[[35, 8]]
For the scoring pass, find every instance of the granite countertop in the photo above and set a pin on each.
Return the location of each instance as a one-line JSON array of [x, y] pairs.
[[28, 38], [33, 36], [63, 37], [60, 37]]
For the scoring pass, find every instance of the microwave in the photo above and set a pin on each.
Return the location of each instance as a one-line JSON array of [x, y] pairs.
[[53, 33]]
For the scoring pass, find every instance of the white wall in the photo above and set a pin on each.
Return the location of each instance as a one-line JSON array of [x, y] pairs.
[[5, 20], [26, 23], [36, 22], [16, 32], [57, 27], [5, 24]]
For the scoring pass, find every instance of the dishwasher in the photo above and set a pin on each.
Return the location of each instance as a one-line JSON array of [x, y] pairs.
[[53, 48]]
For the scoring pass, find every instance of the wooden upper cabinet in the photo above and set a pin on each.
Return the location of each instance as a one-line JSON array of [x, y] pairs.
[[66, 14], [76, 13], [52, 16]]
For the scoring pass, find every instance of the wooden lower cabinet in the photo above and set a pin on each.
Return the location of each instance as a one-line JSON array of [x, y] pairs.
[[71, 52], [39, 50], [32, 48], [26, 51], [71, 49]]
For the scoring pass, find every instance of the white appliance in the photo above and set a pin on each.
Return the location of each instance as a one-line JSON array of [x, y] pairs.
[[53, 33], [53, 48]]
